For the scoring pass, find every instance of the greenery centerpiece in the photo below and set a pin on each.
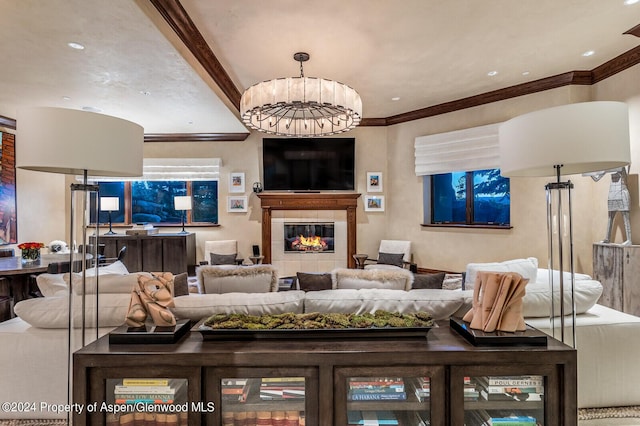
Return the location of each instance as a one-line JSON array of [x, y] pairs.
[[315, 320]]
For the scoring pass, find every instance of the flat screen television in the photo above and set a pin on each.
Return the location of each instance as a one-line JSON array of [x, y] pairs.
[[323, 164]]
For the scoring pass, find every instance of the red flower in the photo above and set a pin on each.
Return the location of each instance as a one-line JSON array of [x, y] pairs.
[[30, 245]]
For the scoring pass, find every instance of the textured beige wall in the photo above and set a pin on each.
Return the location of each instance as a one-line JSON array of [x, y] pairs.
[[42, 197]]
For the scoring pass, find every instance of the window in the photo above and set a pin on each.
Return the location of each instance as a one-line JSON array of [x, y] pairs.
[[480, 197], [152, 202]]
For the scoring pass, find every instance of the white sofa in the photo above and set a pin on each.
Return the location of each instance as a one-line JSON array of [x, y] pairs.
[[33, 357]]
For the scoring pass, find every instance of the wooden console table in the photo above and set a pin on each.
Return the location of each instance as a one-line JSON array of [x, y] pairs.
[[152, 253], [326, 366]]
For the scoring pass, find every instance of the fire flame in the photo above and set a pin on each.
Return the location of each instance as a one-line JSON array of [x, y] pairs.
[[309, 243]]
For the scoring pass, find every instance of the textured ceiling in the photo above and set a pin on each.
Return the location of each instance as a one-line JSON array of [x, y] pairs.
[[425, 52]]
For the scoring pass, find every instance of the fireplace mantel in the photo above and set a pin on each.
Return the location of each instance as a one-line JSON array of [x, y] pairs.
[[270, 201]]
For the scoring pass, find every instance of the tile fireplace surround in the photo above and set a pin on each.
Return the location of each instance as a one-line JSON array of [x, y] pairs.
[[279, 208]]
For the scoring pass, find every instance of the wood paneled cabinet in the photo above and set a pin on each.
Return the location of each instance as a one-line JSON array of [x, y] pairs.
[[340, 381], [174, 253], [617, 267]]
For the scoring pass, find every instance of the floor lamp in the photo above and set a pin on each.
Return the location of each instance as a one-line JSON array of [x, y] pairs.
[[109, 204], [79, 143], [565, 140]]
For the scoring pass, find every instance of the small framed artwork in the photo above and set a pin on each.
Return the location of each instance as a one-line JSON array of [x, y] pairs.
[[374, 203], [236, 182], [374, 182], [237, 204]]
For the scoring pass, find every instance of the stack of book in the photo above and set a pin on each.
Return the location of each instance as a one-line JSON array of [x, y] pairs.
[[151, 391], [471, 392], [423, 388], [235, 390], [497, 418], [281, 388], [376, 389], [509, 388], [371, 418]]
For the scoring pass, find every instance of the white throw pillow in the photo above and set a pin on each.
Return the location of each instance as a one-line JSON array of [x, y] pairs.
[[198, 306], [543, 276], [537, 300], [116, 267], [441, 304], [109, 283], [53, 312], [51, 285], [528, 268]]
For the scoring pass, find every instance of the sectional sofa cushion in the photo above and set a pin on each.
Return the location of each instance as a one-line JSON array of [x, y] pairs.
[[396, 278], [198, 306], [528, 268], [441, 304], [234, 278], [53, 312]]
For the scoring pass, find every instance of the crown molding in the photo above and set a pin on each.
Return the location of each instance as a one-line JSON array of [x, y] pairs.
[[195, 137]]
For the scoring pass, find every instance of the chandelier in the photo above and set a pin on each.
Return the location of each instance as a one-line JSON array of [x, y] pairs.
[[301, 106]]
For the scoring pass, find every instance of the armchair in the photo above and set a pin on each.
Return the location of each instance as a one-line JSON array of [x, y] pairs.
[[392, 254], [222, 252]]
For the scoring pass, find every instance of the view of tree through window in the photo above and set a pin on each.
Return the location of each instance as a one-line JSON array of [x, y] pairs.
[[153, 202], [481, 197]]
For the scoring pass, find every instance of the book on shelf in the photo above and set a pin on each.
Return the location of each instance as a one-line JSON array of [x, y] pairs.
[[281, 379], [234, 389], [513, 421], [372, 418], [511, 380], [145, 382], [376, 382], [511, 396], [380, 396]]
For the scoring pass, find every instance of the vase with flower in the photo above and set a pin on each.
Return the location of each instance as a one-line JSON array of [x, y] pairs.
[[30, 252]]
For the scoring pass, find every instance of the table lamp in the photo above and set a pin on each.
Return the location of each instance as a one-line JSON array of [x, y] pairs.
[[109, 204], [73, 142], [569, 139], [182, 202]]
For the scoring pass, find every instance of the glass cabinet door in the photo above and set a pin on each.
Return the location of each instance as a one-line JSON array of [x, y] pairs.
[[393, 396], [257, 396], [144, 400], [502, 397]]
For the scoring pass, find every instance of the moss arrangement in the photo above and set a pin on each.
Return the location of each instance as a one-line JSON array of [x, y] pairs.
[[315, 320]]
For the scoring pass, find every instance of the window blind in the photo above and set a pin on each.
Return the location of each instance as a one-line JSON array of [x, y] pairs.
[[168, 169], [461, 150]]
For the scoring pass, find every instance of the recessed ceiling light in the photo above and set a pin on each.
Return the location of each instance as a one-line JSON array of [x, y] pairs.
[[66, 98], [492, 73], [395, 98], [630, 2], [144, 92], [525, 73], [588, 53], [190, 122], [76, 46]]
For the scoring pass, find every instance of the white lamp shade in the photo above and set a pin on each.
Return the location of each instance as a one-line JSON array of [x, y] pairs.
[[109, 204], [182, 202], [59, 140], [583, 137]]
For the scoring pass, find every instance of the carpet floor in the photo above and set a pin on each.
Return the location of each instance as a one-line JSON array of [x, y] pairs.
[[611, 416]]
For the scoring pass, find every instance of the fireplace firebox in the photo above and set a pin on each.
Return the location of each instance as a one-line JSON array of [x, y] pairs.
[[311, 237]]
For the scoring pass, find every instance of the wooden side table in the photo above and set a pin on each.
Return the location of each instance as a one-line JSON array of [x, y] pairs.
[[360, 259], [256, 260]]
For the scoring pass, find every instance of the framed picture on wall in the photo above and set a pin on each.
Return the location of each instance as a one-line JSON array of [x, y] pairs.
[[374, 181], [374, 203], [8, 217], [237, 204], [236, 182]]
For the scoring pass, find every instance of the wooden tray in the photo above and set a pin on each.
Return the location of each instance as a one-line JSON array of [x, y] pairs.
[[209, 333]]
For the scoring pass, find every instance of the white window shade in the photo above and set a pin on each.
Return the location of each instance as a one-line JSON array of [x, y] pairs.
[[471, 149], [182, 169]]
